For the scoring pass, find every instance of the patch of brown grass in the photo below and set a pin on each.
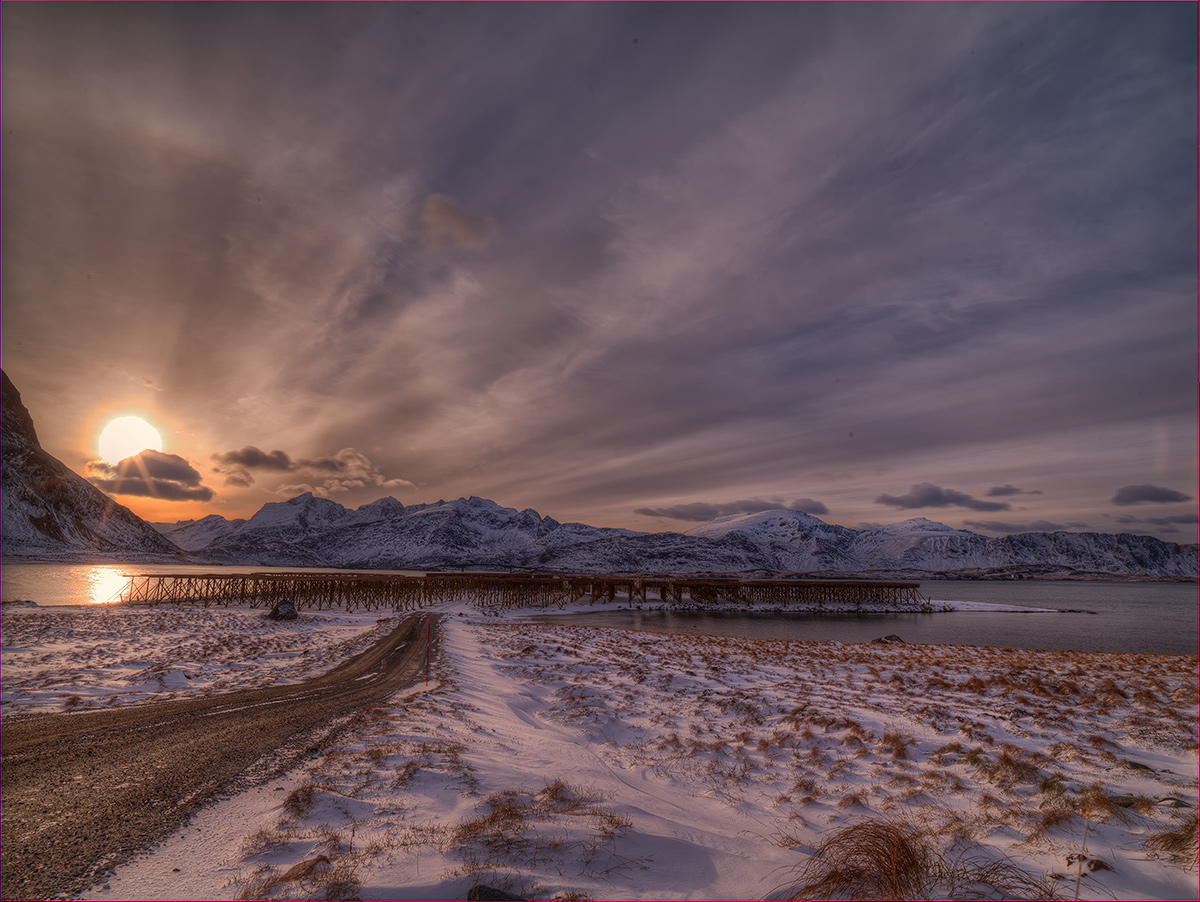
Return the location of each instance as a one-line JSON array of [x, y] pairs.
[[893, 859], [897, 744], [1177, 843], [300, 800]]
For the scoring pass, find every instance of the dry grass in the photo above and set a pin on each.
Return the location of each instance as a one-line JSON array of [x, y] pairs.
[[338, 881], [559, 825], [1179, 842], [893, 859], [300, 800], [1011, 767]]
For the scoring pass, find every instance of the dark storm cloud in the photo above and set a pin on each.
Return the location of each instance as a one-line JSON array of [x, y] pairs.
[[151, 474], [928, 495], [1147, 494], [702, 512]]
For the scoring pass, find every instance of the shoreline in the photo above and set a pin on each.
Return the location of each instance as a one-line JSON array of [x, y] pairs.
[[969, 574], [620, 606]]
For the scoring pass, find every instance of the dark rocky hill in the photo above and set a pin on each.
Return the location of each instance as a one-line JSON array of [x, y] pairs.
[[51, 513]]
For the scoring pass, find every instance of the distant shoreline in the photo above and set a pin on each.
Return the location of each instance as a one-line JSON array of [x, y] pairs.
[[1000, 574]]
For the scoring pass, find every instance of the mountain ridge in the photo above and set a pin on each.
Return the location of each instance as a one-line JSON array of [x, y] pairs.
[[475, 533]]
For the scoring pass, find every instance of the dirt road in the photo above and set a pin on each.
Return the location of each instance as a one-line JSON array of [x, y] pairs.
[[82, 792]]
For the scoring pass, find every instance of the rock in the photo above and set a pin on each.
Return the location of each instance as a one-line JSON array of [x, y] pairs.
[[283, 610], [490, 894], [887, 640], [305, 869]]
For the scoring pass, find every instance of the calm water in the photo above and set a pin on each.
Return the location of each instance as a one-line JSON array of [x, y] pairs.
[[55, 584], [1147, 617]]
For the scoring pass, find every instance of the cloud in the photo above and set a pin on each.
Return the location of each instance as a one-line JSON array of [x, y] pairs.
[[151, 474], [444, 226], [1009, 529], [702, 512], [999, 491], [346, 470], [1147, 494], [928, 495], [251, 457], [1183, 519], [719, 260]]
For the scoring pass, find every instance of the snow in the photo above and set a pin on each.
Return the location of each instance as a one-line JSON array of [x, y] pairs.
[[553, 759], [74, 657], [476, 532]]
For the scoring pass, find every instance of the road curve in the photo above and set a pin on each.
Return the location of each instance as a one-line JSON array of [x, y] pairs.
[[83, 792]]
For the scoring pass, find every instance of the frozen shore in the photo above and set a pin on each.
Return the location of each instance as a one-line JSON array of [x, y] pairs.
[[553, 759]]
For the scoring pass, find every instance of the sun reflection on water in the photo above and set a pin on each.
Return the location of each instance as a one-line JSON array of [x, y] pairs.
[[103, 585]]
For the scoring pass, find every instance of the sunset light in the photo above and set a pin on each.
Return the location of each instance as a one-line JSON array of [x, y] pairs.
[[126, 436]]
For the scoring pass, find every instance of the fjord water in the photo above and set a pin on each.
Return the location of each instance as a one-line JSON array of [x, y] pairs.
[[1120, 616], [57, 584], [1157, 617]]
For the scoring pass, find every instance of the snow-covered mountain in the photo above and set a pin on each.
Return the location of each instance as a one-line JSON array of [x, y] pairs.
[[51, 513], [476, 533], [384, 534], [785, 540], [192, 535]]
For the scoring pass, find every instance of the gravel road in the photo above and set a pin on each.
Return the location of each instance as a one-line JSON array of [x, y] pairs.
[[83, 792]]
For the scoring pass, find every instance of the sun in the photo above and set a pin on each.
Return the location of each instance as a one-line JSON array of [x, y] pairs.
[[126, 436]]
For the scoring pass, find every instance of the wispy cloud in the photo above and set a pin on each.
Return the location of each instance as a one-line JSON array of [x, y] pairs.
[[1147, 494], [1003, 491], [928, 495], [702, 512], [1002, 528], [342, 472]]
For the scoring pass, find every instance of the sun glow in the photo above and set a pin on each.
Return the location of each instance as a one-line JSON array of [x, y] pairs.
[[126, 436]]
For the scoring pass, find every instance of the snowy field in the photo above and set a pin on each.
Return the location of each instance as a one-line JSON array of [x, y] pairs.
[[574, 762]]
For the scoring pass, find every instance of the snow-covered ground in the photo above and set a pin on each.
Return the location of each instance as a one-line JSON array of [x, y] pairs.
[[70, 657], [579, 762]]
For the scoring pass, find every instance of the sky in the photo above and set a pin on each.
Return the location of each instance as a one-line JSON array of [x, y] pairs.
[[633, 265]]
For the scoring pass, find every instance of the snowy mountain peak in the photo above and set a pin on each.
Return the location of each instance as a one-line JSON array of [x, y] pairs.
[[920, 525], [383, 507], [777, 522]]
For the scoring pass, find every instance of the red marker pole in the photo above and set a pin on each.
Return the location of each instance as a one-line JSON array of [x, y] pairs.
[[428, 635]]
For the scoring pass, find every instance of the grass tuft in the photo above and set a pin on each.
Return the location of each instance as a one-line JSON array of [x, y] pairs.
[[1177, 843], [893, 859]]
